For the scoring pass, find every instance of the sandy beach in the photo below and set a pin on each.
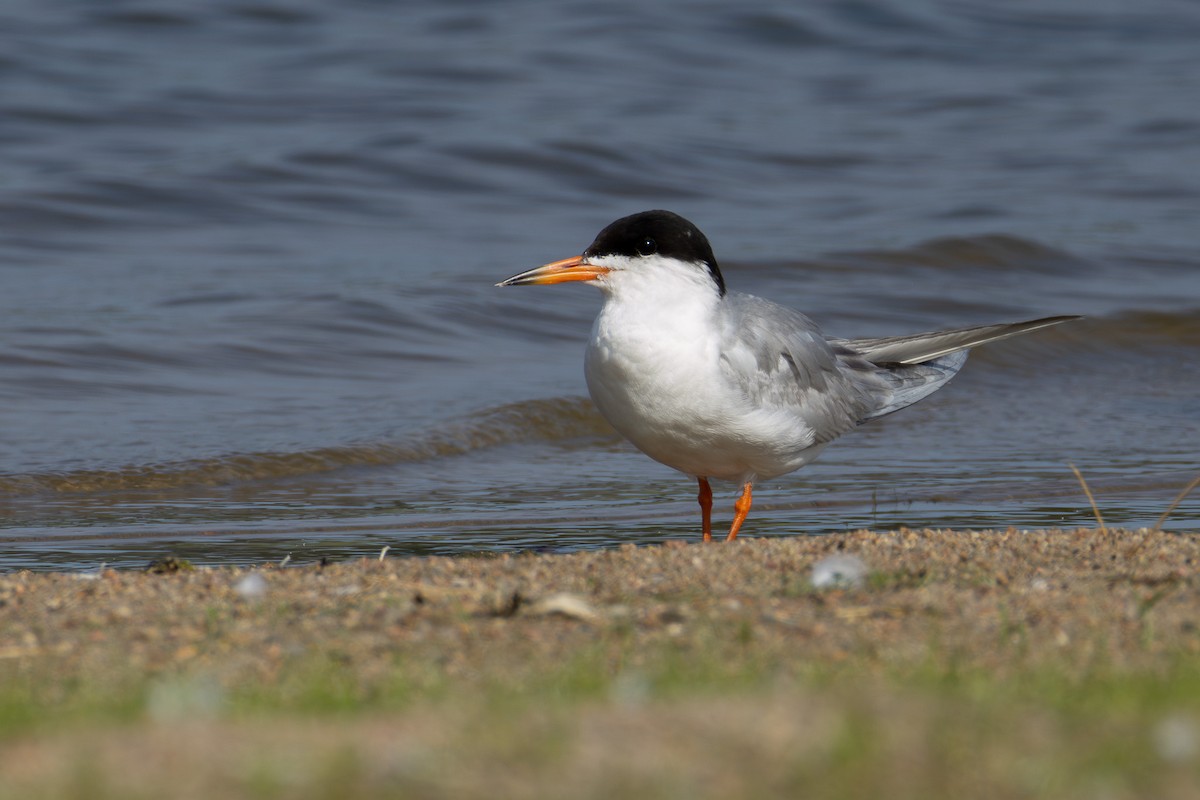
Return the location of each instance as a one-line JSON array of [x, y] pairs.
[[716, 670]]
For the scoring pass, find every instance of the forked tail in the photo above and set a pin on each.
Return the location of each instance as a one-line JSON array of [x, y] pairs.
[[918, 365]]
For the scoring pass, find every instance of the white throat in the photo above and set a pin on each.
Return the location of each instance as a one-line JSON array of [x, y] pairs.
[[657, 281]]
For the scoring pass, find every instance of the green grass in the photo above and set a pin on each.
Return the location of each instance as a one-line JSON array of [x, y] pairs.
[[915, 731]]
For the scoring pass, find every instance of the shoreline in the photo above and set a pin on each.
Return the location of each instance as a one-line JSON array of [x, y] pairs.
[[950, 571], [524, 668]]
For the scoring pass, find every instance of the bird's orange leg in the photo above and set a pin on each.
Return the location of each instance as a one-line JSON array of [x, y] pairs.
[[741, 508], [705, 499]]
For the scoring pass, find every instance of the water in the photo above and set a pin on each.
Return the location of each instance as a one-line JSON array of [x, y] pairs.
[[247, 253]]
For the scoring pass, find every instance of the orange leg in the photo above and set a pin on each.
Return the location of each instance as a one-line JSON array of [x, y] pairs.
[[705, 499], [741, 508]]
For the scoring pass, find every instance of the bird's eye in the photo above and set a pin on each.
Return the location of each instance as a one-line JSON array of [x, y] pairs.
[[647, 247]]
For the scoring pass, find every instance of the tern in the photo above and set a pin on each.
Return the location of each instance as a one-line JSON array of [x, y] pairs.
[[730, 386]]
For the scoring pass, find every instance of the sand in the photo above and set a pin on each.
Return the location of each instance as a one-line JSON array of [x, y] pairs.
[[1061, 588], [406, 636]]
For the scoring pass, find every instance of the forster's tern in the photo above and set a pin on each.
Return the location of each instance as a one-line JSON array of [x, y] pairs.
[[724, 385]]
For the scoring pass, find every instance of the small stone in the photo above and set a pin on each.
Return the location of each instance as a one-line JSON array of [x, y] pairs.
[[184, 699], [839, 572], [566, 605], [251, 586], [1177, 739], [630, 689]]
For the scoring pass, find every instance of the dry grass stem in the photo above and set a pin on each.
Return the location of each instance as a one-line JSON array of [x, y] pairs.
[[1091, 499], [1186, 491]]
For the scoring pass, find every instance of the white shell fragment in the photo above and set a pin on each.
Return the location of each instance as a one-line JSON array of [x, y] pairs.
[[839, 572]]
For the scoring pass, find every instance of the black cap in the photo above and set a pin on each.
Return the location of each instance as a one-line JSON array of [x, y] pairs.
[[661, 232]]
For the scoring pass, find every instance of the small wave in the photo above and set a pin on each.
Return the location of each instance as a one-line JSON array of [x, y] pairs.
[[1141, 336], [986, 251], [1135, 332], [543, 420]]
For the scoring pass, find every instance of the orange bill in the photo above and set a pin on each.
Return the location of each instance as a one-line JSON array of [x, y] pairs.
[[568, 269]]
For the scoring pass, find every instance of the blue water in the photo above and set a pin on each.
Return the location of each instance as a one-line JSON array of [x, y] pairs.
[[248, 250]]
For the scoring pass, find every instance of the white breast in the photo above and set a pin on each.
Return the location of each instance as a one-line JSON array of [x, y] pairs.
[[653, 368]]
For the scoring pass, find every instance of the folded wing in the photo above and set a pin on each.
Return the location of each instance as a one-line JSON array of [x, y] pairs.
[[779, 358], [922, 347], [918, 365]]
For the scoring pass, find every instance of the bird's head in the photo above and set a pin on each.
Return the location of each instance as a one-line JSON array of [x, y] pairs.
[[647, 246]]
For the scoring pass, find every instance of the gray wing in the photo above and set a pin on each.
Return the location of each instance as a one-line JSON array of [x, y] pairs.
[[922, 347], [779, 359], [919, 364]]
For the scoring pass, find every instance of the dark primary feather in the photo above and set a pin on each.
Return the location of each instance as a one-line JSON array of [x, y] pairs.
[[921, 347]]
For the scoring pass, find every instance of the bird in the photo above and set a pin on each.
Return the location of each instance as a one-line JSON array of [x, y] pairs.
[[721, 385]]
